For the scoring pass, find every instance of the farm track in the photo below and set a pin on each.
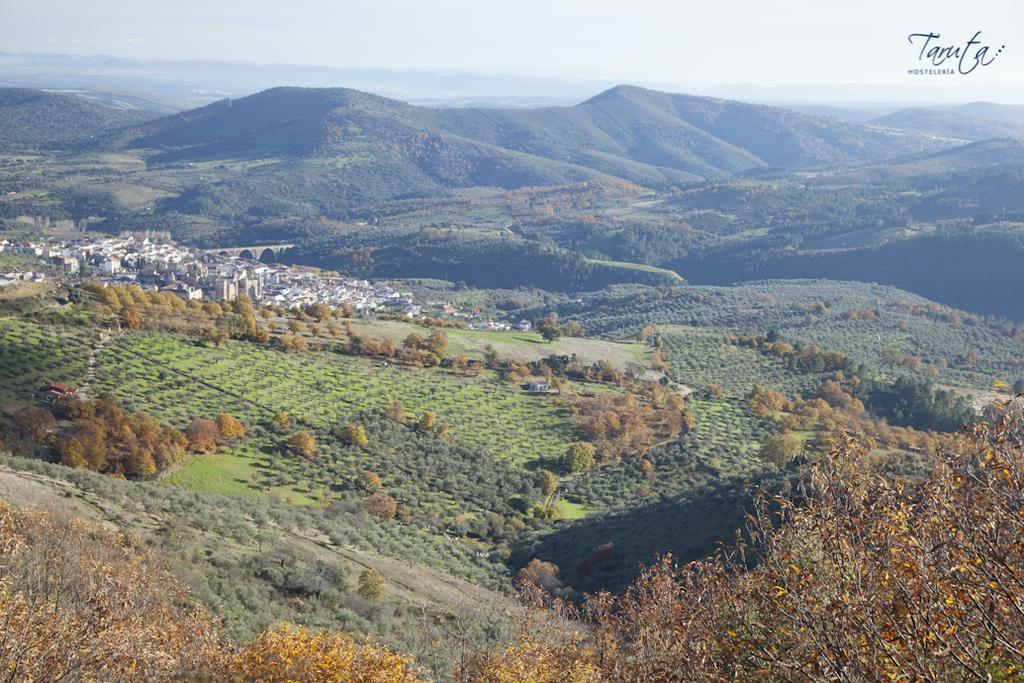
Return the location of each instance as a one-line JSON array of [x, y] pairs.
[[90, 365]]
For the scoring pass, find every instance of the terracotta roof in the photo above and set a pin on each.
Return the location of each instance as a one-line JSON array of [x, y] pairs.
[[59, 387]]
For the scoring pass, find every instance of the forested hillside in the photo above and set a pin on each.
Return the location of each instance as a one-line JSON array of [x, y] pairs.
[[628, 132], [34, 119]]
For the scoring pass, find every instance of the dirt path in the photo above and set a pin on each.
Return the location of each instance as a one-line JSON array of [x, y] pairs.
[[90, 366]]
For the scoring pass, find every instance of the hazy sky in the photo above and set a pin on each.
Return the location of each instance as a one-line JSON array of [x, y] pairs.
[[719, 41]]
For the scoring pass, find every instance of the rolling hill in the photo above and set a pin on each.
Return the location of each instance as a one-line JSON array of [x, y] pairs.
[[1006, 113], [985, 156], [950, 124], [34, 119]]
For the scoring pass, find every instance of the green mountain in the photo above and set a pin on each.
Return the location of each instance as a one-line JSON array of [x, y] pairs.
[[631, 133], [35, 119], [361, 142]]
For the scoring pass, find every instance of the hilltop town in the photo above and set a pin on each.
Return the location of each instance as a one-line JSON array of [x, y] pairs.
[[154, 264]]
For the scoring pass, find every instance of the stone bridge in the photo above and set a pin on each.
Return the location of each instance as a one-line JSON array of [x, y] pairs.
[[254, 252]]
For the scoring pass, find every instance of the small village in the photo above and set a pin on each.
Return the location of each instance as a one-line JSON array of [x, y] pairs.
[[155, 263], [202, 275]]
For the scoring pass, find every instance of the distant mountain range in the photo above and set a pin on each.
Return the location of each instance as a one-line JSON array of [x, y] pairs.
[[157, 83], [968, 122], [627, 132], [950, 123]]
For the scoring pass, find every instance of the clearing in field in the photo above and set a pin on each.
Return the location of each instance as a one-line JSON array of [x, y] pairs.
[[523, 347]]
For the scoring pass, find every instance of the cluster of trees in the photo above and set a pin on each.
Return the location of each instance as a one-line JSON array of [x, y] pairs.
[[857, 577], [427, 321], [215, 322], [416, 349], [837, 408], [807, 358], [426, 351], [100, 436], [622, 424], [556, 369], [918, 404], [953, 316], [552, 329]]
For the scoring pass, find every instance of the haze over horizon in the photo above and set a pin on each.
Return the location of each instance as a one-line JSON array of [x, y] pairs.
[[790, 50]]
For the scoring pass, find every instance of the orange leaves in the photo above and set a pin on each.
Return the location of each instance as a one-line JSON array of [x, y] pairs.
[[291, 653], [540, 661], [80, 603], [857, 576], [302, 443]]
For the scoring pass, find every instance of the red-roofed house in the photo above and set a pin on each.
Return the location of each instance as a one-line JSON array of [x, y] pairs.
[[53, 391]]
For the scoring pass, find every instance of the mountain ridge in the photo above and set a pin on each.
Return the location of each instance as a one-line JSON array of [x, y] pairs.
[[628, 132]]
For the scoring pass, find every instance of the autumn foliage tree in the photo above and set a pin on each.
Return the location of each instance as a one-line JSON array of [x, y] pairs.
[[427, 421], [302, 443], [854, 575], [370, 481], [355, 435], [99, 435], [292, 653], [230, 427], [82, 603], [202, 435], [381, 505], [395, 410], [34, 423]]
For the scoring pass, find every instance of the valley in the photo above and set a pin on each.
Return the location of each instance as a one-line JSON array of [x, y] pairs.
[[473, 353]]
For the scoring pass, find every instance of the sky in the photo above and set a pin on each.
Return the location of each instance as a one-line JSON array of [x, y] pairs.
[[762, 42]]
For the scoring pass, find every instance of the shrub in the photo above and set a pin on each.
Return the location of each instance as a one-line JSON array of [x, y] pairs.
[[229, 427], [371, 586], [579, 457], [302, 443]]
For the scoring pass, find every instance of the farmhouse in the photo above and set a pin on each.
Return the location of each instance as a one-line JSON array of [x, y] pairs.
[[538, 385], [53, 391]]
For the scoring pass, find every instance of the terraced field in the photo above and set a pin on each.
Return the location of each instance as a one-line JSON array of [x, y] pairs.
[[965, 351], [33, 353], [700, 357], [155, 373]]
